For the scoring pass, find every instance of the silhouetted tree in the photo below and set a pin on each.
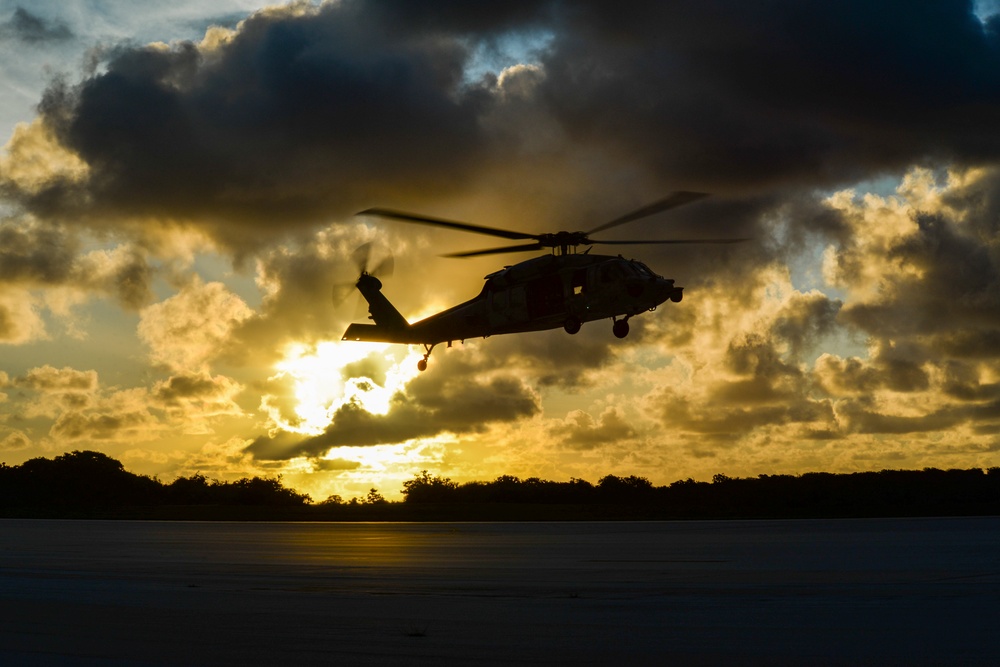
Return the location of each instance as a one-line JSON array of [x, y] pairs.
[[193, 490], [373, 498], [77, 479], [92, 480], [259, 491], [424, 488], [625, 489]]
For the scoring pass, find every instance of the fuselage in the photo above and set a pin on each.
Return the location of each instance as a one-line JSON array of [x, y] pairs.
[[542, 293]]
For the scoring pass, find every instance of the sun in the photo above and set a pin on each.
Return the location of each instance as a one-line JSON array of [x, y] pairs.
[[332, 375]]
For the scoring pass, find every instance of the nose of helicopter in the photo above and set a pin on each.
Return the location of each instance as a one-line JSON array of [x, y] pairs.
[[665, 289], [654, 288]]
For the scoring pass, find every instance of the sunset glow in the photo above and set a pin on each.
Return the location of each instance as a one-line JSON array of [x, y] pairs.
[[180, 184], [324, 382]]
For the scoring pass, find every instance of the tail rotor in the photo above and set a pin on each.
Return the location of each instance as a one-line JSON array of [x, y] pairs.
[[361, 257]]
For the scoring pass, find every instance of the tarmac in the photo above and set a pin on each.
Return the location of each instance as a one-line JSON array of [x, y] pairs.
[[823, 592]]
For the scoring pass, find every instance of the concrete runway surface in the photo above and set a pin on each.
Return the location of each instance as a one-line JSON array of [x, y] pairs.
[[829, 592]]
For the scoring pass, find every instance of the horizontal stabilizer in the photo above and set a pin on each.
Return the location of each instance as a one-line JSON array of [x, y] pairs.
[[373, 333]]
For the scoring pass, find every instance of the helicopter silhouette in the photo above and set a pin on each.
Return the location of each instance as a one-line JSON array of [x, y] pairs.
[[564, 289]]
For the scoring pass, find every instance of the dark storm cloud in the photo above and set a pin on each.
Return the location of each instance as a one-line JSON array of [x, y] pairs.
[[306, 115], [735, 93], [962, 382], [296, 118], [27, 27], [979, 344], [430, 406]]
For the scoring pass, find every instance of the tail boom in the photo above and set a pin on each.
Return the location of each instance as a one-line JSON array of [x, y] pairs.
[[390, 326]]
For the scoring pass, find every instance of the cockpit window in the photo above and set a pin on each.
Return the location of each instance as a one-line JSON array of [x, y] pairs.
[[642, 269]]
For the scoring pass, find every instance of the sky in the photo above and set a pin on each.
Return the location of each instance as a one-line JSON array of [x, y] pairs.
[[178, 190]]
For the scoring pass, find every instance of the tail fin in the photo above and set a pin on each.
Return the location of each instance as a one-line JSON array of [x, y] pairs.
[[390, 326]]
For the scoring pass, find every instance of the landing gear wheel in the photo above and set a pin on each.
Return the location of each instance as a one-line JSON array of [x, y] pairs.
[[620, 328], [422, 364], [572, 325]]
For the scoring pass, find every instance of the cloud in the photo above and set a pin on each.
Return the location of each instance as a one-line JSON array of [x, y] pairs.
[[303, 113], [745, 361], [36, 255], [49, 378], [335, 465], [134, 425], [192, 400], [20, 322], [30, 28], [43, 271], [863, 415], [14, 441], [917, 282], [850, 320], [545, 358], [299, 115], [767, 93], [429, 406], [924, 275], [857, 376], [581, 431], [186, 331], [297, 281], [33, 158], [80, 410]]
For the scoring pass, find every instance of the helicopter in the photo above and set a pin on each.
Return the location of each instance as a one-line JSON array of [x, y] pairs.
[[564, 289]]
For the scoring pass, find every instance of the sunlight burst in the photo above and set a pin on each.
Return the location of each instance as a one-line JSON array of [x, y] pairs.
[[333, 375]]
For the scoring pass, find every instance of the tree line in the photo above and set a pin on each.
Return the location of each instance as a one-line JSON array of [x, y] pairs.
[[93, 484], [95, 480], [927, 492]]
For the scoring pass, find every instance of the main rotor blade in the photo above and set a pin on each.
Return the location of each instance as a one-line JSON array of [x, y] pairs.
[[451, 224], [673, 200], [669, 241], [497, 251]]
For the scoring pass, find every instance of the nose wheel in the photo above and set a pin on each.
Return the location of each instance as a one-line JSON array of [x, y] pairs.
[[620, 328]]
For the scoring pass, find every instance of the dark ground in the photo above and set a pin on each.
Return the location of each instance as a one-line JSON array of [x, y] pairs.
[[813, 592]]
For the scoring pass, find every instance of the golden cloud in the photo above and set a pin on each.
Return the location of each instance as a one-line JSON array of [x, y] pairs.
[[33, 158], [20, 321], [188, 330]]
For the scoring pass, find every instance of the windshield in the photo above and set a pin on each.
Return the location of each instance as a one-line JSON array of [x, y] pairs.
[[642, 269]]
